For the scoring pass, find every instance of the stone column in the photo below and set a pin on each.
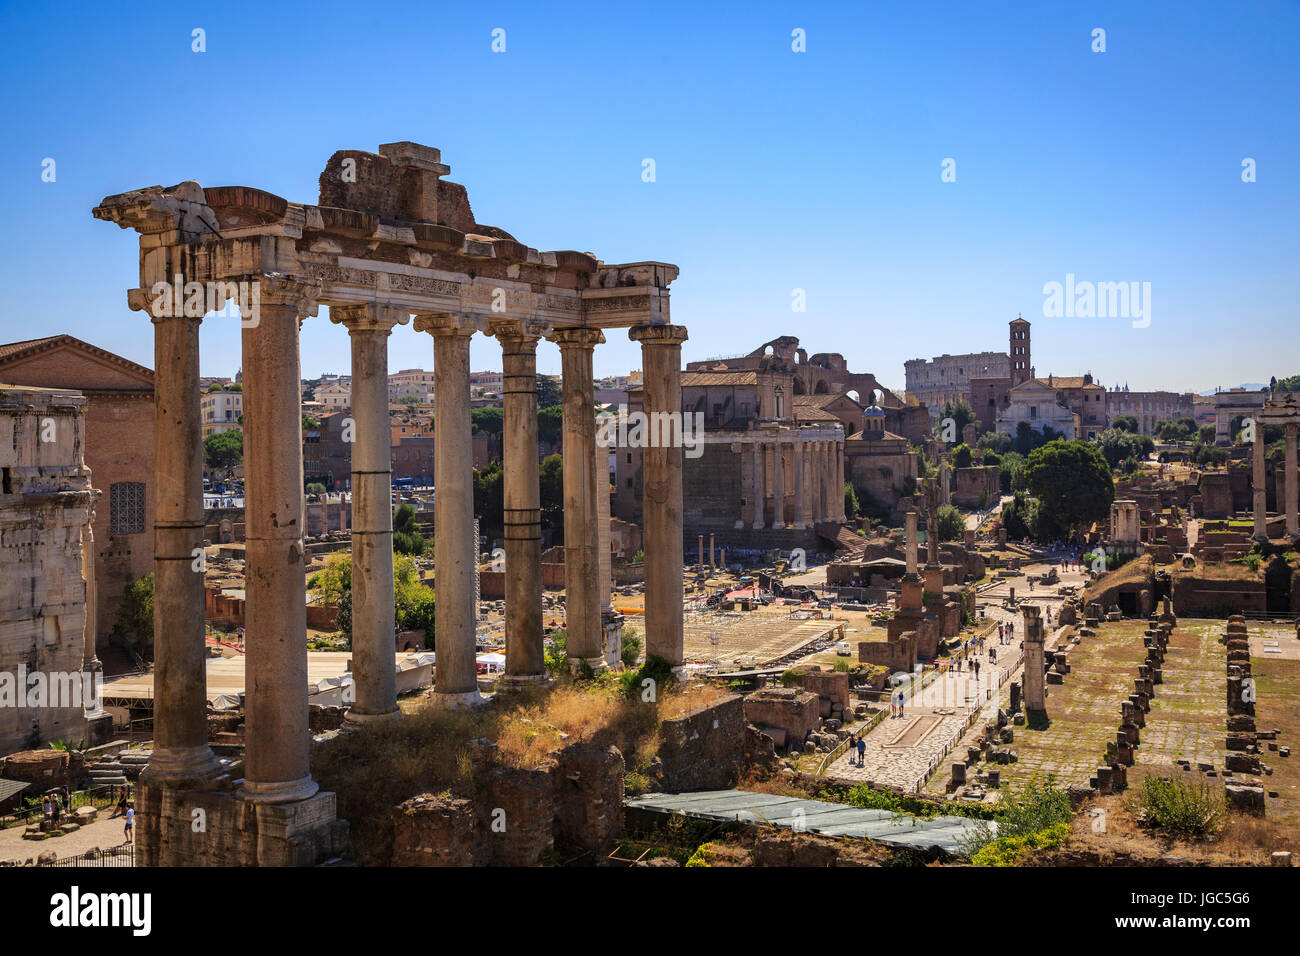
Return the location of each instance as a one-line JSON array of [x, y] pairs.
[[712, 551], [1292, 488], [611, 622], [828, 481], [181, 754], [1035, 680], [778, 484], [809, 497], [911, 542], [760, 474], [838, 504], [525, 663], [701, 549], [661, 363], [796, 463], [276, 764], [1261, 485], [455, 548], [374, 646], [583, 633]]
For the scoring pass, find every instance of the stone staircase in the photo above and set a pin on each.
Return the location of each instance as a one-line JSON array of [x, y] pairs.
[[120, 769]]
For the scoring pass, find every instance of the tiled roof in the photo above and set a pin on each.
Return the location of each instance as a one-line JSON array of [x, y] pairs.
[[719, 378]]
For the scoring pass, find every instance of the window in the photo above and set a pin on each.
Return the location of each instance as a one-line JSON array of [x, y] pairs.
[[126, 508]]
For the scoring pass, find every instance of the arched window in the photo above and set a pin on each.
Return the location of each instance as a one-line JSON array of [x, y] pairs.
[[126, 507]]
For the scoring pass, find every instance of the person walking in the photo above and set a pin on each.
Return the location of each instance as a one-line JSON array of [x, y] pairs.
[[128, 830], [47, 808], [901, 701], [862, 751], [977, 669]]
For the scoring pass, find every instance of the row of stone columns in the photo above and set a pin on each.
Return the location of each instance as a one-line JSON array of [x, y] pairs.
[[1288, 495], [277, 755], [817, 469]]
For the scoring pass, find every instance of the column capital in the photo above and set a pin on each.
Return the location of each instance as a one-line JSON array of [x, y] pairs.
[[450, 323], [580, 337], [282, 289], [369, 316], [522, 330], [157, 306], [650, 335]]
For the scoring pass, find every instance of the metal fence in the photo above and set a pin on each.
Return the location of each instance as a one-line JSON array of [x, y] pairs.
[[113, 856]]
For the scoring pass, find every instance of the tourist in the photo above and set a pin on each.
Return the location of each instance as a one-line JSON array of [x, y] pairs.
[[977, 669], [893, 706], [900, 703], [55, 810], [993, 655], [862, 751], [47, 803], [130, 824], [1001, 632], [121, 804]]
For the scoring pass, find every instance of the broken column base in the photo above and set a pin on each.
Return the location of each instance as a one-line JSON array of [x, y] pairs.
[[192, 827]]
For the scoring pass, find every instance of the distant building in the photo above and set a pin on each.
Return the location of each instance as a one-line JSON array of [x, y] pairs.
[[1149, 408], [1039, 404], [411, 383], [982, 379], [221, 410], [333, 395]]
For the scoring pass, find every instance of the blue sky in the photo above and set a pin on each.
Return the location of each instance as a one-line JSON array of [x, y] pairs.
[[775, 170]]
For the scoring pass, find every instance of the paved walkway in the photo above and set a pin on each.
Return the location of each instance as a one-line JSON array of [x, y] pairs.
[[899, 751], [101, 834]]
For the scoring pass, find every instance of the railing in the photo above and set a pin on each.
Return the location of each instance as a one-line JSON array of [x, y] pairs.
[[839, 748], [113, 856]]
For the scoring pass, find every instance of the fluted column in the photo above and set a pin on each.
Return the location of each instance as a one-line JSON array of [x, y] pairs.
[[1292, 492], [181, 754], [276, 764], [374, 648], [661, 363], [583, 635], [807, 496], [525, 662], [778, 484], [838, 504], [796, 462], [91, 667], [455, 549], [1260, 482], [760, 475]]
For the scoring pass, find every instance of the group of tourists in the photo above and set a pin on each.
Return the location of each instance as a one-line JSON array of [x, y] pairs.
[[858, 746]]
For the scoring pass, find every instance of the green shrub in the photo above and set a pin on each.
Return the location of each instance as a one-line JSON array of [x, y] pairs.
[[1011, 850], [1186, 808]]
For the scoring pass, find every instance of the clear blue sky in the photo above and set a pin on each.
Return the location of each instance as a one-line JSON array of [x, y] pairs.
[[775, 170]]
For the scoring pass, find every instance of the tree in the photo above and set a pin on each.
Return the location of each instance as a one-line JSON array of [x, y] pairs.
[[406, 533], [134, 627], [995, 441], [1117, 446], [489, 498], [1025, 438], [1020, 517], [551, 477], [961, 456], [850, 502], [224, 449], [1126, 423], [960, 412], [548, 391], [550, 421], [1073, 485], [309, 424], [413, 602], [490, 420], [1206, 434], [316, 489], [952, 524], [1011, 477]]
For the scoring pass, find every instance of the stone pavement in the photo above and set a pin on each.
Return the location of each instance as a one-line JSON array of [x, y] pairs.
[[900, 750], [101, 834]]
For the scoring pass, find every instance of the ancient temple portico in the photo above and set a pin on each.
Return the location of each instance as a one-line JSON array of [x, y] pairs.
[[1281, 410], [390, 239]]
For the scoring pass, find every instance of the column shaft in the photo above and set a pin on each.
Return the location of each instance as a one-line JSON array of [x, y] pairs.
[[1292, 485], [181, 752], [661, 363], [778, 484], [583, 635], [797, 463], [760, 475], [522, 493], [1260, 482], [276, 765], [455, 548], [374, 647]]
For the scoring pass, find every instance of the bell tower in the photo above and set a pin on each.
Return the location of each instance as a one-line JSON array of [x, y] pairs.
[[1022, 368]]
